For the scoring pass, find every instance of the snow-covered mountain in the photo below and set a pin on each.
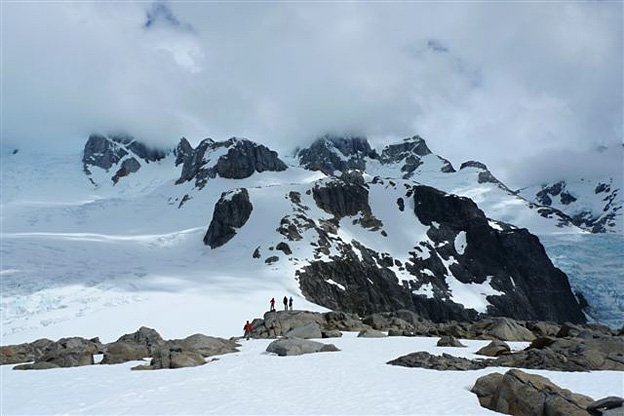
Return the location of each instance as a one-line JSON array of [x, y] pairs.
[[123, 231], [592, 204]]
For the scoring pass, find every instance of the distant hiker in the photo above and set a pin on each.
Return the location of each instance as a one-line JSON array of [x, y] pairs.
[[248, 329], [285, 303], [290, 303], [272, 304]]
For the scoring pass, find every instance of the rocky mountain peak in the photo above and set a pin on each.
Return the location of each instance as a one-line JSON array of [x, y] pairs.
[[107, 151], [235, 158], [182, 151], [409, 153], [330, 154]]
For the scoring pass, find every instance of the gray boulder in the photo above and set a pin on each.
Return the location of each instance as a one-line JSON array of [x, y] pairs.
[[611, 405], [172, 357], [206, 346], [543, 329], [449, 341], [371, 333], [21, 353], [331, 333], [443, 362], [519, 393], [121, 352], [505, 329], [295, 346], [494, 349], [279, 323], [569, 330], [310, 330], [342, 321], [146, 337], [230, 213]]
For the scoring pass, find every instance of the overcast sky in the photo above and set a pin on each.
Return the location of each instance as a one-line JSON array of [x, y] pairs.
[[530, 89]]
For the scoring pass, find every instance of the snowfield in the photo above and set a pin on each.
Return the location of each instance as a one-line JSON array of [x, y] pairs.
[[353, 381]]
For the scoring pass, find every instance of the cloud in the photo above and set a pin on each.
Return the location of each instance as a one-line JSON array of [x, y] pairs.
[[504, 83]]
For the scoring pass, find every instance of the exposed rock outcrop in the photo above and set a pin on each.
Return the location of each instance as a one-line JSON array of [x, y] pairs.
[[332, 154], [494, 349], [235, 158], [107, 151], [449, 341], [230, 213], [371, 333], [21, 353], [66, 352], [408, 153], [287, 346], [172, 356], [442, 362], [522, 394], [509, 262], [343, 197]]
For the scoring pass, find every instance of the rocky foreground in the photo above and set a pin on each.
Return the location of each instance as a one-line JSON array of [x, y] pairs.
[[564, 347]]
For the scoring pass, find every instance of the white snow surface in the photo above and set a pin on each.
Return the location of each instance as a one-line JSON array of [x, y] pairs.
[[353, 381]]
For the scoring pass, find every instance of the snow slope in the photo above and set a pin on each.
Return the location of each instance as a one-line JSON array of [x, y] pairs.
[[353, 381]]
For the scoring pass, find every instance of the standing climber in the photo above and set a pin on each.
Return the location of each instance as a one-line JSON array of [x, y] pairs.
[[273, 304], [290, 301], [285, 303], [248, 329]]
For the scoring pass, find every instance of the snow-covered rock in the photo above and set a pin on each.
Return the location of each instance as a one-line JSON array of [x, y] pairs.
[[593, 204]]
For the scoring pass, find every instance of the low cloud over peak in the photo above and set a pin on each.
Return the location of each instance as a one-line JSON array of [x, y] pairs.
[[505, 83]]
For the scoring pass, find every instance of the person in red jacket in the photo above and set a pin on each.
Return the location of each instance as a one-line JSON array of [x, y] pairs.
[[248, 329], [272, 304]]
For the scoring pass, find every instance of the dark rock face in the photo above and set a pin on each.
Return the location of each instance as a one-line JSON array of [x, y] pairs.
[[231, 212], [500, 254], [519, 393], [409, 153], [128, 166], [330, 154], [511, 261], [102, 152], [246, 157], [107, 151], [233, 159], [345, 197], [485, 176], [182, 151]]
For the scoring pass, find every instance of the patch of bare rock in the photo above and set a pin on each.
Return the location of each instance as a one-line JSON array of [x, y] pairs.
[[522, 394]]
